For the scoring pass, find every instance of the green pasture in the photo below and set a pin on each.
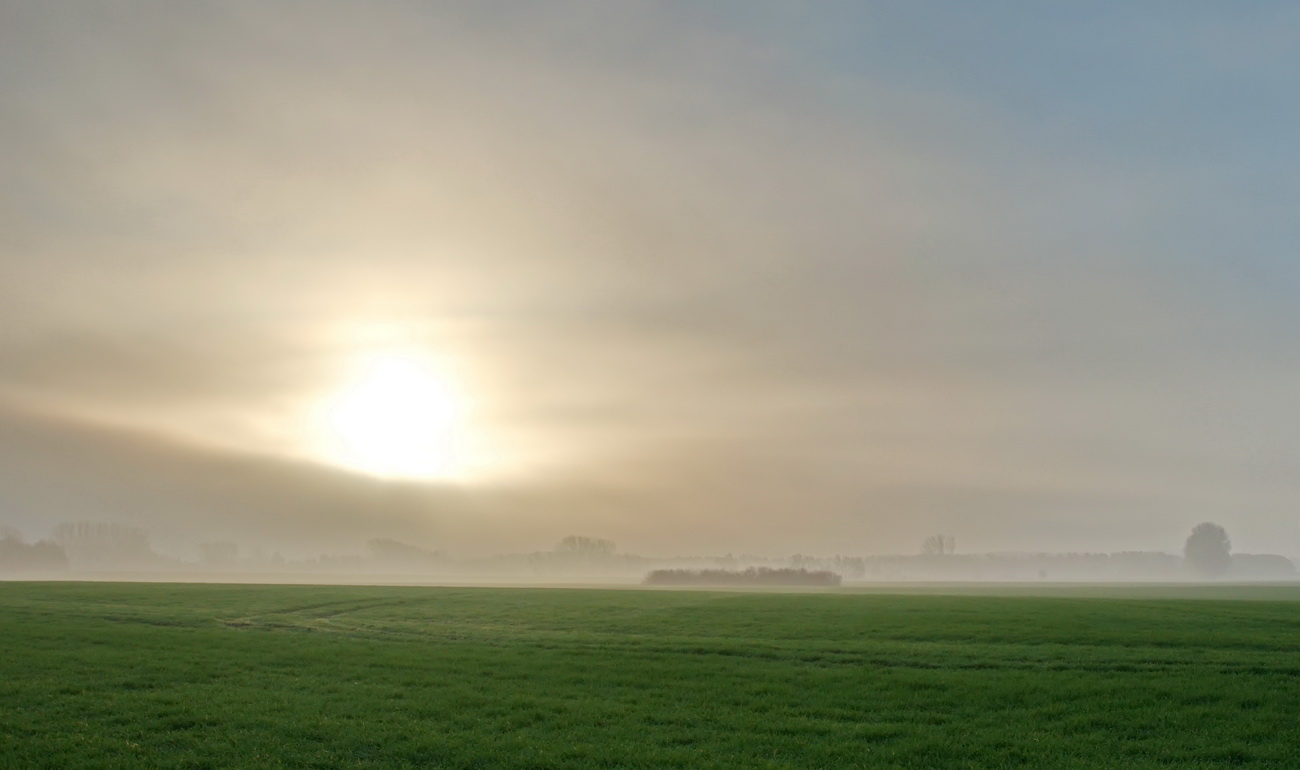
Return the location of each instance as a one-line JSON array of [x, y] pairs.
[[118, 675]]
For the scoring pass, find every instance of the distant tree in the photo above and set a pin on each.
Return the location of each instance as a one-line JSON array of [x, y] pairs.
[[754, 576], [585, 546], [938, 545], [104, 543], [17, 555], [393, 553], [1208, 550]]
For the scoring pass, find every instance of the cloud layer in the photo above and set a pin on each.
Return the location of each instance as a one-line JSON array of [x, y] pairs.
[[716, 278]]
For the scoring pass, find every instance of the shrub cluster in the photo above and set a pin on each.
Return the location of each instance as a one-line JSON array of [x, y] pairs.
[[17, 555], [754, 576]]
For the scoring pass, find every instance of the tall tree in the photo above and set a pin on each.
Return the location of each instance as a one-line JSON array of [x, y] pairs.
[[938, 545], [586, 546], [105, 543], [1208, 550]]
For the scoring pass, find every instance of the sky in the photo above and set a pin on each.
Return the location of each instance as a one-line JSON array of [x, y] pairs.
[[696, 277]]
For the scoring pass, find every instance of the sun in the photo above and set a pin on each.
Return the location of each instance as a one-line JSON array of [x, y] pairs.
[[397, 417]]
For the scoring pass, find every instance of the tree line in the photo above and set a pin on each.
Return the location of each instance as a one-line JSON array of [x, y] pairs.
[[1206, 554], [754, 576]]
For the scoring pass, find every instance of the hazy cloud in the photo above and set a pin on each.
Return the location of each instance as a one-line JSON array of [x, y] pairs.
[[713, 274]]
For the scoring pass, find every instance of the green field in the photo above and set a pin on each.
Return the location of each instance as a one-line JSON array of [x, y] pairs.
[[171, 675]]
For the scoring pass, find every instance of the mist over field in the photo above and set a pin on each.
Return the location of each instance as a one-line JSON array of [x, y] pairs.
[[700, 280], [649, 384]]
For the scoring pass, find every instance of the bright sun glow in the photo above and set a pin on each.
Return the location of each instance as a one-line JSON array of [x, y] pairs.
[[398, 417]]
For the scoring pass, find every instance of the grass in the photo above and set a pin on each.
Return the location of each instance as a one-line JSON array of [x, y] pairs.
[[191, 676]]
